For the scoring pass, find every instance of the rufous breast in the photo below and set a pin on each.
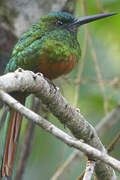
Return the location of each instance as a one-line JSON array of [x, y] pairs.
[[54, 70]]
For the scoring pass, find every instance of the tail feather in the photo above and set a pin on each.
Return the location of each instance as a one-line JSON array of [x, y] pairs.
[[11, 142]]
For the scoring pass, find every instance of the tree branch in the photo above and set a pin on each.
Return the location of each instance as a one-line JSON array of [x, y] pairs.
[[35, 83], [102, 127], [49, 127]]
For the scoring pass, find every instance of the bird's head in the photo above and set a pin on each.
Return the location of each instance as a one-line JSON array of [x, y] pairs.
[[63, 20]]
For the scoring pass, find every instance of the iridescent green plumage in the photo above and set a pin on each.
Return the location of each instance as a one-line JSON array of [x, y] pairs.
[[46, 38]]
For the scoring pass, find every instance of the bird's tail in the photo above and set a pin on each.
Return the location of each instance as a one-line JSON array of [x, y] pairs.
[[11, 140]]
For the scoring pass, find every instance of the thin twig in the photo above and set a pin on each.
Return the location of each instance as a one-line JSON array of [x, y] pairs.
[[108, 121], [80, 69], [94, 58], [99, 6], [89, 170], [113, 83], [74, 158], [98, 73], [61, 156], [114, 142]]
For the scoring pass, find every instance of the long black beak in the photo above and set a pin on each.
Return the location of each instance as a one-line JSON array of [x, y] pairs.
[[87, 19]]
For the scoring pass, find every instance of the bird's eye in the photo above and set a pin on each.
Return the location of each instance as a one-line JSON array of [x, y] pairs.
[[59, 22]]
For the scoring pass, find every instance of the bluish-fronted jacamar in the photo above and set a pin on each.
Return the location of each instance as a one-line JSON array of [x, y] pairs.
[[50, 47]]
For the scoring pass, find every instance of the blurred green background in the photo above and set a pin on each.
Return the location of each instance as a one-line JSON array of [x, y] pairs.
[[105, 35]]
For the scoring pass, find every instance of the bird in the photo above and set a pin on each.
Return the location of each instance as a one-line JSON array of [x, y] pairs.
[[51, 47]]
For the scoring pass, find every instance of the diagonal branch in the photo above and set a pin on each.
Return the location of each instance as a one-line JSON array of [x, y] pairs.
[[49, 127], [73, 160], [70, 117]]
